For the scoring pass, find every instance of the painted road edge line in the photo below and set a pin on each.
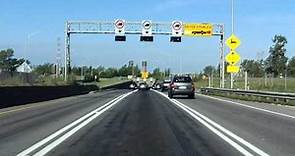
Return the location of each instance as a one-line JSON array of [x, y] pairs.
[[55, 143], [76, 122], [62, 130], [244, 105], [201, 119], [229, 133], [211, 128]]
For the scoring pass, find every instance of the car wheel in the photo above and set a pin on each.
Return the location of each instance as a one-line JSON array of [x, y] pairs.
[[170, 95], [192, 96]]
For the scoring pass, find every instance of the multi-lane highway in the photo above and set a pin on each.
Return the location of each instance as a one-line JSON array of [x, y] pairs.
[[124, 122]]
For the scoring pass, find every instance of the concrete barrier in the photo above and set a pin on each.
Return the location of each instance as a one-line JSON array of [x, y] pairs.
[[20, 95], [12, 96], [122, 85]]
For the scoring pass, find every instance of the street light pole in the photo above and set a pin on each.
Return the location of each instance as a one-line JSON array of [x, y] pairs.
[[232, 30], [232, 16], [286, 74], [27, 46]]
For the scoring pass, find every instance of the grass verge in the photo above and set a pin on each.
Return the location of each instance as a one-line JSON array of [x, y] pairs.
[[254, 98]]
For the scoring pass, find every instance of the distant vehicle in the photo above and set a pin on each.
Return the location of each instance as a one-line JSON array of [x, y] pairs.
[[165, 85], [157, 86], [132, 86], [143, 86], [181, 85]]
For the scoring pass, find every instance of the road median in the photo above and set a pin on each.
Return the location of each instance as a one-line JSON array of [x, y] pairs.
[[20, 95]]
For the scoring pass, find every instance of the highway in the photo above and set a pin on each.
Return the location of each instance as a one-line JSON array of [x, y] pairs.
[[126, 122]]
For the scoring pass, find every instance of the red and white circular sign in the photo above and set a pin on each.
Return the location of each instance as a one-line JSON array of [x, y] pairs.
[[176, 25], [119, 24], [146, 24]]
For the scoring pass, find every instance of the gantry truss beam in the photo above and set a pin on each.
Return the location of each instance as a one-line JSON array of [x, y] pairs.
[[131, 28]]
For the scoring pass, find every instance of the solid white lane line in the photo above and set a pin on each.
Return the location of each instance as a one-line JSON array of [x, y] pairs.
[[206, 122], [252, 107], [52, 136], [218, 133], [55, 143], [66, 128], [221, 128]]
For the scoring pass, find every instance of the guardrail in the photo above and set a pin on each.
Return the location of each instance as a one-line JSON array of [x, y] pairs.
[[262, 96]]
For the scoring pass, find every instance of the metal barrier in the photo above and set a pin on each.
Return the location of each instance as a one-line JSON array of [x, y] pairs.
[[264, 96]]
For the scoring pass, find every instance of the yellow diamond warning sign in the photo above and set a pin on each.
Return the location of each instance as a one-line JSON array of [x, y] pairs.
[[232, 58], [144, 75], [233, 42]]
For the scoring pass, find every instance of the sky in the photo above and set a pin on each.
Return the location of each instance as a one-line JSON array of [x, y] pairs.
[[31, 28]]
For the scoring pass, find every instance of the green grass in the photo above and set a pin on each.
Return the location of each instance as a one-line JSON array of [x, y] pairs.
[[103, 82], [275, 84], [13, 81], [205, 83], [52, 81], [255, 98], [41, 81]]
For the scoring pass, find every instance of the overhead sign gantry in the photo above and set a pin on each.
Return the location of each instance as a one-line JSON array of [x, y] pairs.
[[147, 29]]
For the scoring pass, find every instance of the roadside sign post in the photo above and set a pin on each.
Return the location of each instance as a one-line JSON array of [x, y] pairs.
[[146, 31], [177, 31], [120, 30], [144, 75], [233, 57], [246, 80], [233, 43], [198, 29]]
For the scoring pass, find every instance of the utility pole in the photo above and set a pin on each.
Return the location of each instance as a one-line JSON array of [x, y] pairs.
[[265, 79], [131, 64], [209, 81], [286, 79], [180, 65], [246, 80], [82, 72], [28, 43], [212, 78], [286, 74], [58, 59], [144, 70]]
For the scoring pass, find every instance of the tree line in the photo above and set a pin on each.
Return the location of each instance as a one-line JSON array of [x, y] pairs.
[[8, 62]]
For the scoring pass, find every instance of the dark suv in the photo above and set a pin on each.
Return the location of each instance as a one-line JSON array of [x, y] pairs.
[[165, 85], [181, 85]]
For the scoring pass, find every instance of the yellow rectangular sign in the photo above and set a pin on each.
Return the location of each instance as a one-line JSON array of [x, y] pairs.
[[233, 69], [198, 29]]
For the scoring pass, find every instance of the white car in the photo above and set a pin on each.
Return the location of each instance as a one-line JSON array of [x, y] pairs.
[[143, 86], [132, 86]]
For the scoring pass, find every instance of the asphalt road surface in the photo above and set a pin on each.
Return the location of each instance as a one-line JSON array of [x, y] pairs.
[[135, 123]]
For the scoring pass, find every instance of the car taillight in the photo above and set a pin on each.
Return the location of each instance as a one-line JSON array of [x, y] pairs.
[[172, 85]]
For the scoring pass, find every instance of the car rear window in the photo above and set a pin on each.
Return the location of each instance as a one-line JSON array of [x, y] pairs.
[[182, 79]]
